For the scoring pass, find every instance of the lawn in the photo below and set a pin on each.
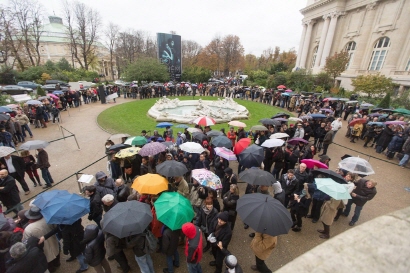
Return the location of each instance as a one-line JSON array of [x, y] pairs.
[[132, 117]]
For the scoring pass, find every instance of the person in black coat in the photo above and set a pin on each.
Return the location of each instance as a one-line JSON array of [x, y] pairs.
[[96, 208], [289, 185], [95, 251], [202, 163], [229, 179], [20, 169], [170, 240], [384, 139], [221, 232], [300, 207], [205, 219], [9, 193], [220, 165], [27, 257], [229, 200]]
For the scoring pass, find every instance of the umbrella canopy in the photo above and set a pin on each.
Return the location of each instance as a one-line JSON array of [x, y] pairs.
[[151, 149], [357, 121], [12, 106], [204, 121], [264, 214], [181, 126], [168, 144], [237, 123], [332, 188], [375, 115], [65, 209], [207, 178], [241, 145], [164, 124], [305, 117], [34, 102], [296, 140], [5, 109], [34, 145], [318, 116], [259, 128], [279, 135], [329, 174], [402, 111], [52, 96], [351, 101], [376, 123], [117, 147], [214, 133], [136, 141], [311, 163], [289, 90], [128, 152], [127, 218], [295, 119], [118, 136], [171, 168], [5, 151], [281, 115], [251, 156], [286, 94], [366, 105], [200, 136], [193, 130], [225, 153], [269, 121], [43, 199], [150, 184], [4, 117], [326, 110], [281, 119], [57, 92], [42, 98], [222, 141], [281, 86], [191, 147], [256, 176], [173, 210], [395, 122], [356, 165], [273, 142]]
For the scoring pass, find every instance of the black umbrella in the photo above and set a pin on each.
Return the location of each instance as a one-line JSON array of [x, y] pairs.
[[4, 117], [269, 121], [127, 218], [222, 141], [376, 110], [171, 168], [214, 133], [200, 136], [264, 214], [280, 115], [117, 147], [256, 176], [329, 174], [251, 156]]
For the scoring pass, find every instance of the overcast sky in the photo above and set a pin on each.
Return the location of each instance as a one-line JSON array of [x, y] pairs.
[[258, 23]]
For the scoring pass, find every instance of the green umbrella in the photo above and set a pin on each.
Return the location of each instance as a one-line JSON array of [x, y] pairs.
[[332, 188], [402, 111], [136, 140], [173, 210]]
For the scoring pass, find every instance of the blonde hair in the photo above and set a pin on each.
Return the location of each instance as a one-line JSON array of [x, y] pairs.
[[24, 153], [236, 189]]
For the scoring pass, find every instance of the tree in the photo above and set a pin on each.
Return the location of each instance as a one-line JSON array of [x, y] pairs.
[[83, 28], [385, 103], [111, 34], [196, 74], [336, 64], [372, 84], [232, 54], [190, 52], [323, 81], [146, 69], [259, 77], [63, 65]]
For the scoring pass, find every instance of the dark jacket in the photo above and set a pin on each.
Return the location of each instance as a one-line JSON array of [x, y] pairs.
[[406, 146], [94, 251], [18, 164], [122, 192], [201, 165], [96, 209], [363, 193], [224, 234], [238, 268], [229, 201], [33, 261], [220, 166], [396, 143], [302, 207], [292, 187], [30, 162], [204, 221], [107, 187], [9, 196], [385, 137], [227, 181], [302, 178], [42, 159], [328, 137], [170, 239]]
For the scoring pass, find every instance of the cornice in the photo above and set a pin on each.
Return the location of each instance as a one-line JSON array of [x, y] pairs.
[[315, 6]]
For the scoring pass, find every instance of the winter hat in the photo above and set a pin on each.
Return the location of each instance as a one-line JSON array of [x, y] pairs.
[[228, 170], [100, 175], [231, 261], [223, 216], [189, 230]]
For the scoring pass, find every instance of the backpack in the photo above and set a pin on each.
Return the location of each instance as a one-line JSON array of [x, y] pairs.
[[151, 242]]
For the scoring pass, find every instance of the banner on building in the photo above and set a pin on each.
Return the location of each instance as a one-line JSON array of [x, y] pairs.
[[169, 53]]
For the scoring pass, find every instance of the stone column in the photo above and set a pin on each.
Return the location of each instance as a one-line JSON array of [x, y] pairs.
[[329, 38], [300, 50], [306, 42], [322, 40]]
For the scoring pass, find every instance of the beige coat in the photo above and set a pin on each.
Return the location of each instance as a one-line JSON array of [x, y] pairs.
[[41, 228], [329, 210], [263, 245], [182, 188]]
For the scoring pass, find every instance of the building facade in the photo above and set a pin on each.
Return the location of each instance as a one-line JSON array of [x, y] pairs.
[[375, 33]]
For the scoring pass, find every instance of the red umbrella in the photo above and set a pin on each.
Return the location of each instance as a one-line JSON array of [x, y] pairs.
[[204, 121], [241, 145], [311, 163], [281, 86], [358, 120]]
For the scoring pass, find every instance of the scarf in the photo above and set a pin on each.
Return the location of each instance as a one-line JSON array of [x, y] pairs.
[[206, 210]]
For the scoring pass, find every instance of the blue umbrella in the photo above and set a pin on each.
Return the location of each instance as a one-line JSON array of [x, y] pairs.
[[318, 116], [5, 109], [285, 94], [182, 126], [43, 199], [65, 209], [57, 92], [164, 124], [377, 123]]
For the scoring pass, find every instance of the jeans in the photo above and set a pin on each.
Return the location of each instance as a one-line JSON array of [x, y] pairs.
[[404, 160], [81, 261], [194, 268], [46, 176], [171, 260], [145, 263], [25, 128], [357, 211]]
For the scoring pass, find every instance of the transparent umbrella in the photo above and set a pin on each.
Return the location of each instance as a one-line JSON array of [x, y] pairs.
[[356, 165]]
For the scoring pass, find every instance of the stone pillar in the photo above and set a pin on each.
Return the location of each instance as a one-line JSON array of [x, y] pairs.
[[329, 38], [300, 50], [306, 42], [322, 42]]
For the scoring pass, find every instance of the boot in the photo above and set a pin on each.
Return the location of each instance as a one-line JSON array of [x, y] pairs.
[[297, 229], [207, 247], [38, 180], [34, 181]]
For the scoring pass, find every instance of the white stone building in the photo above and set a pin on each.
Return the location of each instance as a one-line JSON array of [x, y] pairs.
[[376, 33]]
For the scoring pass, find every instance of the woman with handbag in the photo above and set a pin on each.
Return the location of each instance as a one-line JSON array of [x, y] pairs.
[[31, 167]]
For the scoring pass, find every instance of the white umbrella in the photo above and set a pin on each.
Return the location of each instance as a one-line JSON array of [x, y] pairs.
[[356, 165], [34, 102], [204, 121], [279, 135], [5, 151], [193, 130], [295, 119], [352, 101], [237, 123], [118, 136], [191, 147], [34, 144], [274, 142]]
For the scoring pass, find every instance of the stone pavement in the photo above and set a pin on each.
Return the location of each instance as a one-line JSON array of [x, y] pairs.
[[66, 159]]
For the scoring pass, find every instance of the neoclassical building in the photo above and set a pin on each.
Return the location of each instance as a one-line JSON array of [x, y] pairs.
[[375, 33]]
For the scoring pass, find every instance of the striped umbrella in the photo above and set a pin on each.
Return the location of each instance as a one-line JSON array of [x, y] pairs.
[[204, 121]]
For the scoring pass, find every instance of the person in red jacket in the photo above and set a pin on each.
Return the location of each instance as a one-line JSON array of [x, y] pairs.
[[193, 248]]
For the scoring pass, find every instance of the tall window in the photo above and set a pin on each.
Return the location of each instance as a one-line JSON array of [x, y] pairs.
[[350, 48], [379, 53], [408, 65], [314, 57]]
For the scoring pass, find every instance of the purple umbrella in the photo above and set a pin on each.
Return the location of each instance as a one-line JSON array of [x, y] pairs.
[[281, 119], [326, 110], [296, 140], [288, 90], [395, 122], [151, 149], [375, 115]]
